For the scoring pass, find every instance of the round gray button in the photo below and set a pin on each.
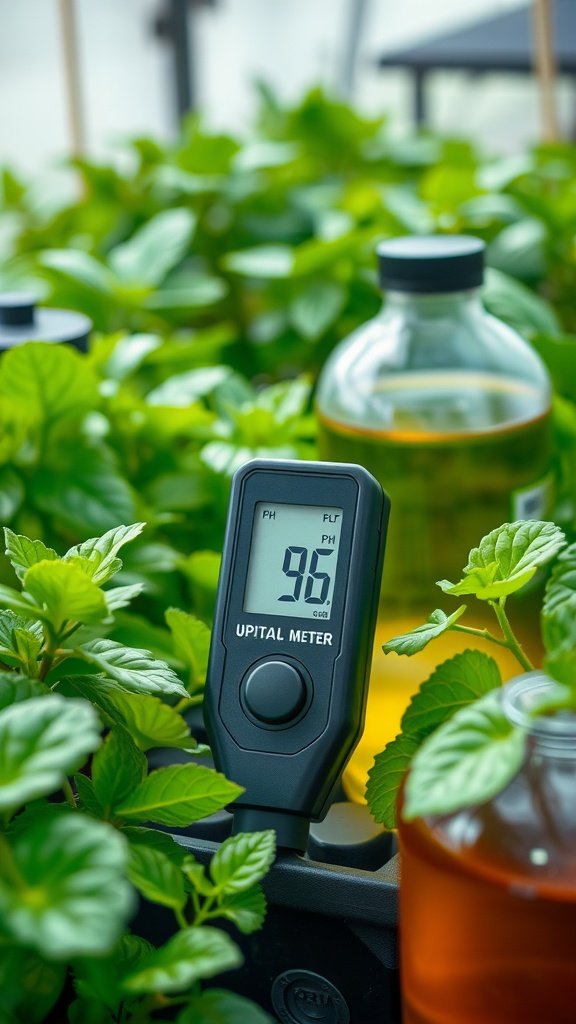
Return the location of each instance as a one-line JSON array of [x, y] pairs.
[[274, 692]]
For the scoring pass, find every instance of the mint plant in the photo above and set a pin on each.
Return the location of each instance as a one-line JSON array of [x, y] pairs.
[[455, 740], [78, 803]]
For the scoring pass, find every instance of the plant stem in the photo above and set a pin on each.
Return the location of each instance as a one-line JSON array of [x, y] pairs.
[[205, 911], [511, 642], [182, 922], [182, 705], [69, 794], [484, 634]]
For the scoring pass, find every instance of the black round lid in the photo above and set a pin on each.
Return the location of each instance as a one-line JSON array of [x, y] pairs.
[[431, 263], [21, 320]]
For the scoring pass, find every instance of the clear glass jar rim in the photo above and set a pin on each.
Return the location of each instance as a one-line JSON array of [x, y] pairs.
[[521, 695]]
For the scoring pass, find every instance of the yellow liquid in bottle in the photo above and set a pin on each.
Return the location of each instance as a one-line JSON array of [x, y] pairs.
[[451, 477]]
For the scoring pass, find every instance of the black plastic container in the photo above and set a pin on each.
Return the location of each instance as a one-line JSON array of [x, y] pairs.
[[21, 320]]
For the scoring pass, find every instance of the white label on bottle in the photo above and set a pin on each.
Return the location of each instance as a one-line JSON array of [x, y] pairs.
[[534, 501]]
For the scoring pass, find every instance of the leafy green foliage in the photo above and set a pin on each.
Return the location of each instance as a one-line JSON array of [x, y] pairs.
[[101, 553], [559, 607], [506, 559], [23, 552], [467, 762], [70, 859], [149, 721], [133, 669], [42, 740], [386, 775], [457, 748], [62, 886], [420, 637], [454, 685], [242, 860], [178, 795], [29, 985], [191, 639], [156, 877], [192, 954], [118, 767], [63, 592]]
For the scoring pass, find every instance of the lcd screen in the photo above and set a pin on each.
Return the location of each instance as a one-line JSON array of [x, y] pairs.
[[293, 560]]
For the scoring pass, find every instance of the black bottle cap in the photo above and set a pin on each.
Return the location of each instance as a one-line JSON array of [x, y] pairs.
[[431, 263], [21, 320]]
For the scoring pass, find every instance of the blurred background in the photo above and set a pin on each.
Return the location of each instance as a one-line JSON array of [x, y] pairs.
[[207, 182], [128, 67]]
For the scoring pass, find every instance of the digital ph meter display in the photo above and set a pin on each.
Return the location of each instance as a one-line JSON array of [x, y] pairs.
[[293, 560]]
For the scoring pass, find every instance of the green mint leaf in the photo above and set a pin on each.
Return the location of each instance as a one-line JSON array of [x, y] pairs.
[[155, 248], [196, 877], [316, 307], [200, 291], [22, 604], [29, 986], [63, 593], [84, 492], [417, 639], [12, 493], [506, 559], [242, 860], [191, 955], [118, 768], [215, 1006], [561, 662], [179, 795], [133, 668], [53, 382], [128, 354], [102, 552], [15, 688], [154, 839], [27, 647], [150, 722], [9, 623], [247, 910], [42, 740], [87, 798], [261, 261], [454, 684], [23, 552], [386, 776], [121, 597], [74, 899], [559, 606], [467, 761], [97, 979], [156, 877], [183, 389], [191, 639]]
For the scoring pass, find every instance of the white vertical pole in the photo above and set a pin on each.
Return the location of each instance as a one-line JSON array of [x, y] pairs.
[[72, 82], [545, 66]]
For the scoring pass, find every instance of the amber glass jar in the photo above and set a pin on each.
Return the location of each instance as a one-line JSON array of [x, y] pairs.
[[488, 894]]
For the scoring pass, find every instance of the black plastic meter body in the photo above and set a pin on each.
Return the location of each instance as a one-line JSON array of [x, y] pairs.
[[292, 636]]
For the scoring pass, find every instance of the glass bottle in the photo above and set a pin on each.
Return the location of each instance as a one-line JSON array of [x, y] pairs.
[[450, 409], [488, 894]]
